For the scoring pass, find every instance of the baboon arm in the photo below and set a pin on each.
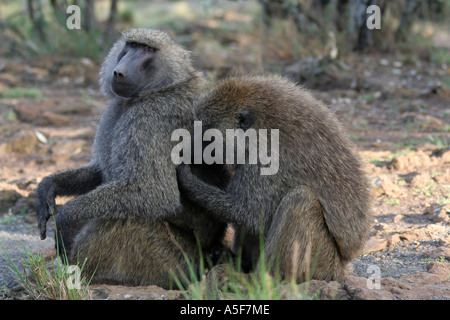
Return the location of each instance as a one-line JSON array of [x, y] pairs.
[[120, 200], [69, 182], [225, 206], [76, 181]]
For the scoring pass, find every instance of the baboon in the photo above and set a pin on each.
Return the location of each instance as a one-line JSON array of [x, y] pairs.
[[314, 213], [128, 218]]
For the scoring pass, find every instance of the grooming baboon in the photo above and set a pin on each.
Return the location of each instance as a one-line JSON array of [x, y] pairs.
[[315, 210], [128, 218]]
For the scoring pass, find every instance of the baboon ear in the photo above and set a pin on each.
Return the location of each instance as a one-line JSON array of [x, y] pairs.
[[245, 119]]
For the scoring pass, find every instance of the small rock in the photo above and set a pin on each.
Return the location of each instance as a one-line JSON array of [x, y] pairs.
[[404, 236], [438, 213], [27, 114], [445, 157], [10, 79], [358, 289], [438, 253], [312, 287], [390, 188], [333, 291], [423, 122], [64, 150], [433, 284], [411, 161], [421, 180], [24, 205], [8, 199], [397, 218], [51, 118], [23, 142], [375, 244], [113, 292]]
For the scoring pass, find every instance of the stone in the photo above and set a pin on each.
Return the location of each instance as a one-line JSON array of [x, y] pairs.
[[375, 244], [116, 292], [23, 142], [411, 161], [390, 188], [333, 291], [433, 284], [358, 289], [438, 213], [421, 180], [438, 253], [51, 118], [8, 199]]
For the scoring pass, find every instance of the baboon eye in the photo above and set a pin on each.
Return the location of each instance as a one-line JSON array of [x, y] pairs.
[[149, 49], [121, 55], [245, 119], [133, 44]]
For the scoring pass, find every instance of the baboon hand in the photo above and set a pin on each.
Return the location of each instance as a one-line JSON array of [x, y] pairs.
[[45, 205], [195, 189]]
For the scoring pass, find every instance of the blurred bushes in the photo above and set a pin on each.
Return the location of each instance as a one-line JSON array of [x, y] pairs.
[[38, 27]]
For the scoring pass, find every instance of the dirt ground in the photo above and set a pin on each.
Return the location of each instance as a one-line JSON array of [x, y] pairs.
[[395, 108]]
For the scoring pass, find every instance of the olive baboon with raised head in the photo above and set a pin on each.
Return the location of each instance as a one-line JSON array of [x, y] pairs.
[[315, 210], [129, 219]]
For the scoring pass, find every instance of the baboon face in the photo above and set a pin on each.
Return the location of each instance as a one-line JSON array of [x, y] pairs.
[[142, 61], [135, 66]]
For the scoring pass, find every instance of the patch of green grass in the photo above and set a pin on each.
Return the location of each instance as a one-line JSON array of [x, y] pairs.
[[11, 218], [427, 190], [355, 137], [393, 202], [440, 142], [56, 280], [15, 93], [391, 156], [42, 281], [361, 124], [257, 285], [429, 260], [406, 145], [375, 162], [435, 174], [58, 39], [446, 81], [440, 55], [370, 96], [10, 116]]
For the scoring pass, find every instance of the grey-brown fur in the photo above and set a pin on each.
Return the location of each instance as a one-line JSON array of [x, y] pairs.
[[315, 210], [129, 219]]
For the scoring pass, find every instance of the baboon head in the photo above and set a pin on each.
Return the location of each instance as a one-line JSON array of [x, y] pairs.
[[305, 126], [250, 101], [262, 102], [143, 60], [244, 105], [228, 106]]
